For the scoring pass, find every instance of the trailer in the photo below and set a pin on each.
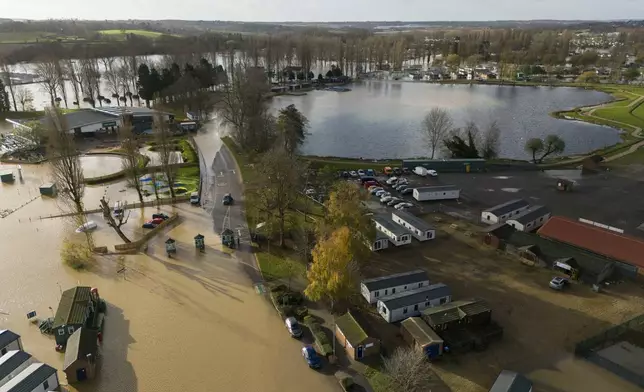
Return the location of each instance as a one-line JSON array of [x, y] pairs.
[[441, 192]]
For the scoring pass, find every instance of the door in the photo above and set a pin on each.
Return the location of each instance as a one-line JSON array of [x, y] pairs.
[[81, 374], [360, 352]]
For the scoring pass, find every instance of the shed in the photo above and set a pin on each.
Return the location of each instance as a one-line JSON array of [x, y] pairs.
[[440, 192], [420, 229], [48, 189], [76, 309], [397, 234], [501, 213], [530, 219], [7, 176], [568, 266], [410, 303], [80, 355], [12, 363], [356, 342], [458, 314], [416, 332], [37, 377], [375, 288], [509, 381], [495, 235], [9, 340]]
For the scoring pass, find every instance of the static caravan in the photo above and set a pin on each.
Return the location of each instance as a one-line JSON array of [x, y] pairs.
[[530, 219], [12, 364], [503, 212], [381, 242], [418, 227], [37, 377], [440, 192], [373, 289], [417, 333], [9, 341], [397, 234], [410, 303]]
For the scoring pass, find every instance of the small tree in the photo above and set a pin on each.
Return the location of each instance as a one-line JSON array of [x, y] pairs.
[[436, 124], [534, 146], [166, 150], [25, 97], [552, 144], [408, 370], [292, 125], [588, 77], [116, 224], [631, 74], [132, 159]]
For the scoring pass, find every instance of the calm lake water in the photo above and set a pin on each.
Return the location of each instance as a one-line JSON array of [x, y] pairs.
[[382, 119]]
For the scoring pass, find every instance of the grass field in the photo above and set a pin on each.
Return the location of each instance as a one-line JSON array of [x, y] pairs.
[[144, 33], [34, 36]]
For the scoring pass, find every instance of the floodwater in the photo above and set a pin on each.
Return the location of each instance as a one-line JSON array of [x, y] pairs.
[[100, 165], [380, 119], [193, 322], [155, 158]]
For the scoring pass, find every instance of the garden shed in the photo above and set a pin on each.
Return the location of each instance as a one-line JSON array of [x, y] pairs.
[[416, 332], [80, 355], [356, 342], [48, 189], [458, 314], [7, 176]]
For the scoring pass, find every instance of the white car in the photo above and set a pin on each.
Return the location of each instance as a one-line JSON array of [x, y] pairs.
[[380, 193], [89, 226], [310, 192], [353, 173], [402, 206], [392, 180], [432, 173], [376, 190], [386, 199]]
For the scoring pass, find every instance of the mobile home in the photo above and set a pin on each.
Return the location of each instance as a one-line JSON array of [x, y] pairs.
[[380, 242], [530, 219], [9, 341], [410, 303], [12, 364], [418, 227], [397, 234], [37, 377], [503, 212], [440, 192], [375, 288]]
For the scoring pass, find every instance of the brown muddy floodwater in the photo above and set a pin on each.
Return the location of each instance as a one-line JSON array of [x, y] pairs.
[[100, 165], [190, 323]]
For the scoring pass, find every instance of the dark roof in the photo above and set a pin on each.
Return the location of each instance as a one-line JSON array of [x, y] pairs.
[[81, 343], [416, 296], [7, 336], [136, 111], [413, 220], [29, 379], [420, 331], [506, 207], [381, 236], [350, 328], [508, 381], [390, 225], [394, 280], [11, 360], [438, 188], [532, 213], [501, 230], [83, 117], [604, 242], [72, 306], [442, 314]]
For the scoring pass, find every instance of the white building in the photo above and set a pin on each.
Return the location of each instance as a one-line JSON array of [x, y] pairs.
[[397, 234], [381, 242], [37, 377], [440, 192], [375, 288], [418, 227], [410, 303], [9, 341], [13, 363], [530, 219], [502, 212]]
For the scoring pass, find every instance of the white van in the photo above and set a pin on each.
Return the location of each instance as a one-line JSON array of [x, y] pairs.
[[421, 171], [194, 198], [118, 208]]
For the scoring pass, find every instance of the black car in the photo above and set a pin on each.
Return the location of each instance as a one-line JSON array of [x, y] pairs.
[[160, 216], [397, 171], [405, 170]]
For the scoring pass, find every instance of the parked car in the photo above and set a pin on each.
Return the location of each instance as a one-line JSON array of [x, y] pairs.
[[376, 189], [559, 283], [403, 205], [402, 188], [380, 193], [293, 327], [371, 172], [88, 226], [157, 221], [394, 201], [194, 198], [311, 357], [353, 174], [405, 170], [160, 215], [387, 170], [432, 173], [385, 199], [392, 180], [407, 191], [361, 173], [345, 174], [310, 192], [227, 200], [397, 171], [149, 225]]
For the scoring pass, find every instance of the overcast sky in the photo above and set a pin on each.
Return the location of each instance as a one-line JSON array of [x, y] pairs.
[[324, 10]]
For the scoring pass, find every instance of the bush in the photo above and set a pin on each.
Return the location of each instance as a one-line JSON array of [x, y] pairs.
[[279, 288], [286, 310], [76, 255], [289, 298], [301, 312], [187, 152], [326, 349], [309, 320]]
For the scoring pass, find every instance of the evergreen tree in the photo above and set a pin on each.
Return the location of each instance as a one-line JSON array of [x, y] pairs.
[[5, 106]]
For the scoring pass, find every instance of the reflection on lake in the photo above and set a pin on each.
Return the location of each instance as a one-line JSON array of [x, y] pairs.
[[381, 119], [100, 165]]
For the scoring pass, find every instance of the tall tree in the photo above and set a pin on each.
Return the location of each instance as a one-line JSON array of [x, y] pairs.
[[47, 73], [25, 97], [132, 159], [490, 141], [167, 153], [408, 370], [5, 105], [6, 70], [552, 144], [435, 125], [292, 127]]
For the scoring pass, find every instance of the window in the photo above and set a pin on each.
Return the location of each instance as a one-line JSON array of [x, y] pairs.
[[416, 307], [420, 284], [61, 331], [384, 310], [405, 287], [386, 291], [404, 310], [377, 245], [428, 303], [443, 300], [3, 351], [45, 385], [393, 291], [70, 329], [377, 294]]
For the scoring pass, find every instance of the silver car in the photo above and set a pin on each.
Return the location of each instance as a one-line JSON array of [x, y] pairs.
[[293, 327]]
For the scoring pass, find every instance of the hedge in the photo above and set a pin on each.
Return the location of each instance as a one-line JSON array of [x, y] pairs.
[[321, 338]]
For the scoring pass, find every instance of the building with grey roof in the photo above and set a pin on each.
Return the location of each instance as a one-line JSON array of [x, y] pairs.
[[37, 377], [420, 229], [12, 363], [530, 219], [397, 234], [375, 288], [380, 242], [439, 192], [9, 340], [508, 381], [502, 212], [410, 303]]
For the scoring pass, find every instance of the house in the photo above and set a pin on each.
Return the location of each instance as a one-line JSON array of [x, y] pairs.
[[457, 314], [37, 377], [530, 219], [418, 227], [610, 244], [356, 342], [439, 192], [502, 212], [9, 341], [410, 303], [375, 288], [417, 333], [78, 308], [508, 381], [380, 242], [397, 235], [12, 363], [80, 355]]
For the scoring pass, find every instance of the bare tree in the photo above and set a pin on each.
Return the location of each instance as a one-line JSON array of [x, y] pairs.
[[166, 150], [132, 158], [4, 67], [60, 73], [47, 72], [24, 97], [490, 141], [435, 126], [90, 77], [71, 70], [120, 220], [408, 370]]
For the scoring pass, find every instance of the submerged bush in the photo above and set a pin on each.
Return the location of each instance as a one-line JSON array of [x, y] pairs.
[[76, 255]]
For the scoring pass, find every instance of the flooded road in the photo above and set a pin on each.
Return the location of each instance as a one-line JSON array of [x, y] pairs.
[[194, 322]]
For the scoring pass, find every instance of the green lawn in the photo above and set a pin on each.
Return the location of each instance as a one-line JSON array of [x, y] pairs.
[[279, 265], [379, 382], [636, 158], [189, 176], [144, 33], [33, 36]]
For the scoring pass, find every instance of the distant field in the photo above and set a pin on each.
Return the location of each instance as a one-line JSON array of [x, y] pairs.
[[32, 36], [144, 33]]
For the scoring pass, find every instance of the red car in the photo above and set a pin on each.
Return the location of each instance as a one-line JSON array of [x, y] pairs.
[[157, 221]]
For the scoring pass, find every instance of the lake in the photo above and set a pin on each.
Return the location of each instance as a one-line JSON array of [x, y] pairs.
[[380, 119]]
